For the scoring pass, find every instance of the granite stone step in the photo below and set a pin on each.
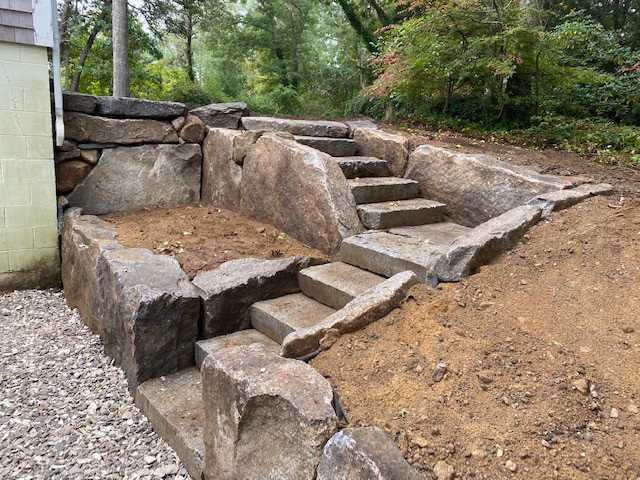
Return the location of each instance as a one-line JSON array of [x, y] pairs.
[[312, 128], [388, 254], [279, 317], [243, 337], [173, 405], [383, 189], [443, 233], [336, 147], [336, 284], [385, 215], [358, 167]]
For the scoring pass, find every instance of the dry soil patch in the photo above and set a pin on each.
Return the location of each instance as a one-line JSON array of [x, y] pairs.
[[201, 236], [542, 349]]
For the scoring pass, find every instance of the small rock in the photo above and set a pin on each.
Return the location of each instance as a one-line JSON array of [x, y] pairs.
[[524, 281], [484, 378], [614, 413], [633, 408], [149, 459], [545, 444], [440, 371], [261, 229], [331, 337], [420, 441], [403, 443], [511, 466], [581, 385], [127, 415], [443, 471]]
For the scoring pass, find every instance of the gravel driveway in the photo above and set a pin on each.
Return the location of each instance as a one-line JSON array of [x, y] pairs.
[[65, 411]]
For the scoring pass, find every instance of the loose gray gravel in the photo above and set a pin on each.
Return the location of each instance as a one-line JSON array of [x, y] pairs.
[[65, 411]]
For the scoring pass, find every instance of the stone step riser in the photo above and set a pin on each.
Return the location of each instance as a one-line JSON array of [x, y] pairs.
[[336, 147], [279, 317], [243, 337], [376, 218], [375, 190], [336, 284], [362, 167]]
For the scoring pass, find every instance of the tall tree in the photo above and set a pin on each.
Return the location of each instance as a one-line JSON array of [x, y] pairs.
[[121, 78]]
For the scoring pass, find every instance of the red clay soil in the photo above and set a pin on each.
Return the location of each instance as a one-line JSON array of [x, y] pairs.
[[542, 354], [201, 236]]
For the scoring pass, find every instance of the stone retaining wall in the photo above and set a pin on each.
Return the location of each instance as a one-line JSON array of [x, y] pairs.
[[123, 153]]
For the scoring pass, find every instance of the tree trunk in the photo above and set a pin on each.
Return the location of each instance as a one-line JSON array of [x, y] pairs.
[[85, 51], [190, 71], [380, 12], [357, 25], [120, 49]]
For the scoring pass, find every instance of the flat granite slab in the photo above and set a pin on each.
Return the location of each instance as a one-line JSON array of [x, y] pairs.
[[279, 317], [388, 254], [336, 284], [243, 337], [383, 189], [442, 233], [320, 128], [399, 213]]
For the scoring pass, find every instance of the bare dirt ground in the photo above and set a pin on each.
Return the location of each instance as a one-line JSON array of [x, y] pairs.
[[201, 236], [542, 353]]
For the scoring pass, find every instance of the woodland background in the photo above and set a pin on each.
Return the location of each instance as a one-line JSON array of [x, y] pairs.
[[537, 72]]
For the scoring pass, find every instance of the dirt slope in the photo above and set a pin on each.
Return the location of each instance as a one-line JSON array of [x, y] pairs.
[[542, 349]]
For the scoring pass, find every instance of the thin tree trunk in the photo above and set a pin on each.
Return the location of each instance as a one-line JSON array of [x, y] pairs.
[[190, 71], [85, 51], [357, 24], [380, 12], [121, 87]]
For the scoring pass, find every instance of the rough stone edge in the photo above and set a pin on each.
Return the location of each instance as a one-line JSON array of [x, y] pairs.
[[485, 242], [561, 199], [372, 305]]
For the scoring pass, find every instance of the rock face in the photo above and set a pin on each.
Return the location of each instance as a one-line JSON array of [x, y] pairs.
[[301, 191], [137, 107], [243, 337], [193, 130], [229, 291], [368, 307], [355, 124], [84, 241], [87, 128], [221, 175], [151, 314], [336, 147], [562, 199], [70, 174], [376, 143], [475, 187], [297, 127], [221, 115], [78, 102], [364, 454], [131, 177], [266, 417], [485, 242]]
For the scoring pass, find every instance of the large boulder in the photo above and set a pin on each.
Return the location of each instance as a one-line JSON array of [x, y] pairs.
[[386, 146], [364, 454], [266, 417], [475, 187], [85, 239], [221, 115], [151, 314], [301, 191], [131, 177], [137, 107], [221, 175], [101, 130], [70, 174], [229, 291], [485, 242]]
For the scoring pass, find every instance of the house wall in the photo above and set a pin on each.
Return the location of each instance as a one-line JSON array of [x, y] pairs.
[[29, 254]]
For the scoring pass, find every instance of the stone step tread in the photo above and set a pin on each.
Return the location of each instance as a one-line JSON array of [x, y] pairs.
[[400, 213], [383, 189], [443, 233], [321, 128], [387, 254], [336, 284], [359, 167], [336, 147], [173, 404], [280, 316], [243, 337]]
